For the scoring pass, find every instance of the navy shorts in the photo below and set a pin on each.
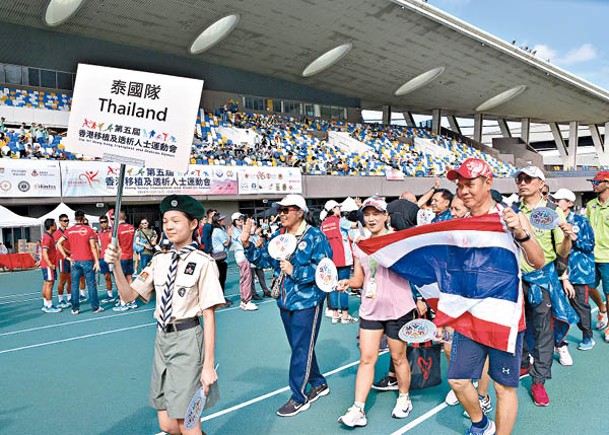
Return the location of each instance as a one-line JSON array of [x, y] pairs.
[[48, 274], [391, 327], [103, 266], [467, 361], [63, 266], [127, 266]]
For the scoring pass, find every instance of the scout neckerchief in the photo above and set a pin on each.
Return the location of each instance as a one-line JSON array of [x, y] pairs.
[[165, 309]]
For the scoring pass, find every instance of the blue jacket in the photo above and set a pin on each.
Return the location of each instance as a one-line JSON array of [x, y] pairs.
[[581, 259], [444, 216], [299, 290]]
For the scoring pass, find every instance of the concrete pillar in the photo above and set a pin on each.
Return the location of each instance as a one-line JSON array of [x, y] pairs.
[[436, 120], [505, 129], [386, 115], [478, 121], [599, 144], [525, 129], [454, 125], [573, 144], [560, 143], [409, 119]]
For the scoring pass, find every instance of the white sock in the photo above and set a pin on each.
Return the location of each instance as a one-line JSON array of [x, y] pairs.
[[60, 298], [404, 395], [82, 293], [47, 302], [109, 293], [359, 405]]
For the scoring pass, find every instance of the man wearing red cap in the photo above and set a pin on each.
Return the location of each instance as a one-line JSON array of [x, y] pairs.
[[474, 181], [597, 212]]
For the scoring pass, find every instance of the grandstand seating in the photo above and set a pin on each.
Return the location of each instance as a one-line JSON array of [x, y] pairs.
[[284, 141]]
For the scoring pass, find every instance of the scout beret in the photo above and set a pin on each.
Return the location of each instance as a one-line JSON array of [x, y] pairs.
[[184, 203]]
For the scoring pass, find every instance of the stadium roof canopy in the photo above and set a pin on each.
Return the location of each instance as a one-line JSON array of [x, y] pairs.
[[384, 44]]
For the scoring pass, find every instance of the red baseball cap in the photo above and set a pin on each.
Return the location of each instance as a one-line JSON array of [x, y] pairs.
[[471, 168], [601, 176]]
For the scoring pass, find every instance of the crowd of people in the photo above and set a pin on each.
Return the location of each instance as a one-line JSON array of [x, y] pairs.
[[560, 268]]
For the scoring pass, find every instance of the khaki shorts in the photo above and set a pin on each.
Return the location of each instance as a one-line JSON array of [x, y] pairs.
[[176, 370]]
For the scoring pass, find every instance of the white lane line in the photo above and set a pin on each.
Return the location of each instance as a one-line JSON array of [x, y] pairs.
[[19, 294], [420, 419], [274, 393], [57, 325], [81, 337], [48, 343]]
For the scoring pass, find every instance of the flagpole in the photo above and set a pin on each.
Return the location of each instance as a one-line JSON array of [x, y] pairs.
[[117, 208]]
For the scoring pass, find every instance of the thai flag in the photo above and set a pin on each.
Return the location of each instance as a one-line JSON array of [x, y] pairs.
[[467, 269]]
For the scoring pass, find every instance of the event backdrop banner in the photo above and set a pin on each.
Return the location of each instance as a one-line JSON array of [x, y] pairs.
[[133, 117], [29, 178], [273, 180], [82, 179]]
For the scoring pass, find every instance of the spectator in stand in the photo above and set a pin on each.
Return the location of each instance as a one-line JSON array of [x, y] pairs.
[[84, 260], [48, 265]]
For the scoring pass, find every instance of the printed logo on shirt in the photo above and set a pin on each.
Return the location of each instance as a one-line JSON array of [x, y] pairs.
[[182, 292], [302, 246], [142, 276], [190, 268]]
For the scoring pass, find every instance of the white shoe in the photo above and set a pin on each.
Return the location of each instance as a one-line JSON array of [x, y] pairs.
[[250, 306], [354, 416], [402, 408], [329, 313], [602, 320], [564, 357], [451, 399]]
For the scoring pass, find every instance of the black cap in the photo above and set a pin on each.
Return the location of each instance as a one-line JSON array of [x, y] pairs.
[[184, 203]]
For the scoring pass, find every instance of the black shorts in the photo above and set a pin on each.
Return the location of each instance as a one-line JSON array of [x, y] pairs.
[[390, 327]]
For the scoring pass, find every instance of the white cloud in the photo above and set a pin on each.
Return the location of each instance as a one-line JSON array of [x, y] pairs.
[[544, 52], [582, 54]]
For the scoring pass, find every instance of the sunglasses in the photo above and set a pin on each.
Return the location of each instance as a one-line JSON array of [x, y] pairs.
[[597, 182], [286, 210], [545, 193], [64, 220], [103, 222], [524, 179]]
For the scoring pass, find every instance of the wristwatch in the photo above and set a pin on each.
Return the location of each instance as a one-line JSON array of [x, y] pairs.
[[525, 238]]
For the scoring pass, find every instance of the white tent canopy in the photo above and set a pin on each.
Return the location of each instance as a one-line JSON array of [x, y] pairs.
[[64, 209], [8, 219]]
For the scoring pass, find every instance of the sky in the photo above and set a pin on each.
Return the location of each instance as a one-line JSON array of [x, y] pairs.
[[571, 33]]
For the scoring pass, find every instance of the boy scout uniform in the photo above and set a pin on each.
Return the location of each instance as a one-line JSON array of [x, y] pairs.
[[179, 349]]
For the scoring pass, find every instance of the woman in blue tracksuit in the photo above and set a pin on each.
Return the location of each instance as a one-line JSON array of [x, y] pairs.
[[300, 301]]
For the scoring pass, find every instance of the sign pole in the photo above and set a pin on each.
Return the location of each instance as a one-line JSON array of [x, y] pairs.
[[117, 207]]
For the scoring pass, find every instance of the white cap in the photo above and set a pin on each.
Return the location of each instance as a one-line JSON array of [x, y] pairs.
[[236, 216], [331, 204], [349, 205], [563, 193], [323, 214], [376, 202], [294, 200], [531, 171]]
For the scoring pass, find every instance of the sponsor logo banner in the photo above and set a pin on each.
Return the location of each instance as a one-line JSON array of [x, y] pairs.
[[29, 178], [264, 180]]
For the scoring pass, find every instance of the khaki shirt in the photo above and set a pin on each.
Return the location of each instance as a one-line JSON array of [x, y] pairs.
[[197, 286]]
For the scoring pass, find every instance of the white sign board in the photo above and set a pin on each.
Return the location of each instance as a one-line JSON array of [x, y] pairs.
[[29, 178], [133, 117]]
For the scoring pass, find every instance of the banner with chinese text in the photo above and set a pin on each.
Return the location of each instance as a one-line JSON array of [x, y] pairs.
[[269, 180], [133, 117]]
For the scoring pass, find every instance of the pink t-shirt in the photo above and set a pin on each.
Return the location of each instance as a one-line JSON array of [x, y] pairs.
[[393, 294]]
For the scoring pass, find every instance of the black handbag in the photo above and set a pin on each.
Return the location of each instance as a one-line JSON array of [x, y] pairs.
[[424, 360]]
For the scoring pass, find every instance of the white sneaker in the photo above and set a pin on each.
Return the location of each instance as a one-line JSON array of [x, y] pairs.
[[564, 357], [451, 399], [329, 313], [602, 320], [354, 416], [402, 408], [248, 306]]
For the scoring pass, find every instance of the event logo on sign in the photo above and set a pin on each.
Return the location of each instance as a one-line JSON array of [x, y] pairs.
[[89, 177], [5, 185], [23, 186]]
